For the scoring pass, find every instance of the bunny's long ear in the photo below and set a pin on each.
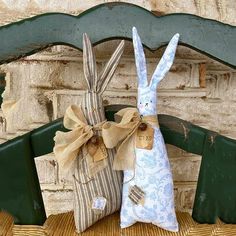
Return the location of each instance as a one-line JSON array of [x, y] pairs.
[[165, 63], [89, 61], [140, 60], [110, 68]]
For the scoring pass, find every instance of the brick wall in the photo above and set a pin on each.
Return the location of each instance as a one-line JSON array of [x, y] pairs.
[[40, 87]]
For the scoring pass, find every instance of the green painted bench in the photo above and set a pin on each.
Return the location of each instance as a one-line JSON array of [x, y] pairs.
[[216, 193]]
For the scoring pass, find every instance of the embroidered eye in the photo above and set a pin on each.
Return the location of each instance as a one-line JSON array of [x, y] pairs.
[[151, 101], [140, 103]]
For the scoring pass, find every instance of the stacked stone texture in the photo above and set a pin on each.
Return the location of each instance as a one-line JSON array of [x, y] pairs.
[[40, 87]]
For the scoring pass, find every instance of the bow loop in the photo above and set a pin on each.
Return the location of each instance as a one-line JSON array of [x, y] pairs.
[[68, 144], [74, 118], [123, 135]]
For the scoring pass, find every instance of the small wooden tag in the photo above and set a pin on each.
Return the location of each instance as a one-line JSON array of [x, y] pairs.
[[144, 138], [91, 148], [136, 195], [98, 151], [101, 152]]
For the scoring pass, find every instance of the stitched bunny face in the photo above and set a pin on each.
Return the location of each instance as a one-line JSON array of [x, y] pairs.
[[147, 101], [147, 94]]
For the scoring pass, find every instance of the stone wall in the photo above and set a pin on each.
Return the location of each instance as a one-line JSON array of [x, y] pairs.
[[40, 87]]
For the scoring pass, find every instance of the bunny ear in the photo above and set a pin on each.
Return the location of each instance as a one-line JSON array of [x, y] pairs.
[[89, 61], [110, 68], [140, 60], [165, 63]]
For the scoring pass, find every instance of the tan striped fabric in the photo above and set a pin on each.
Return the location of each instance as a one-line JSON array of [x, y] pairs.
[[107, 183]]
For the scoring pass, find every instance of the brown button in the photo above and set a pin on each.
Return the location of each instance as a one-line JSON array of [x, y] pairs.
[[143, 126], [94, 140]]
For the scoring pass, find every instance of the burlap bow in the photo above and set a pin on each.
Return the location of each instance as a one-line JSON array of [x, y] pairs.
[[68, 144], [123, 135]]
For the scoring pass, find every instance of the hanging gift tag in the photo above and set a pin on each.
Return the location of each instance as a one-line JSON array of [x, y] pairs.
[[101, 152], [97, 149], [136, 195], [91, 148], [99, 204], [145, 137]]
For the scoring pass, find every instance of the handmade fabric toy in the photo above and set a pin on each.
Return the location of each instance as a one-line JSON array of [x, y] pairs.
[[97, 187], [148, 186]]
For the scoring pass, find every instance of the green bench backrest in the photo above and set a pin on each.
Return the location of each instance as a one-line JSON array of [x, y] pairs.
[[20, 191]]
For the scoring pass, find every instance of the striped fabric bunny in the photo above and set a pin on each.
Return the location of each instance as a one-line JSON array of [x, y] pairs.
[[151, 178], [104, 189]]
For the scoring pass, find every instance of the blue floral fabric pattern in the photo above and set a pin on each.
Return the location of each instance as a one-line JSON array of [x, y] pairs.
[[152, 172]]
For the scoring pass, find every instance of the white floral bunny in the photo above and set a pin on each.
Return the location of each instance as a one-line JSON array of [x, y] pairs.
[[152, 173]]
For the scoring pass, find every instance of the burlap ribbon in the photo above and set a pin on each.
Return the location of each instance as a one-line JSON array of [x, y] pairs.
[[68, 144], [123, 135]]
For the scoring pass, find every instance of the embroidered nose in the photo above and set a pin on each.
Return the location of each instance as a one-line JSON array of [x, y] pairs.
[[146, 104]]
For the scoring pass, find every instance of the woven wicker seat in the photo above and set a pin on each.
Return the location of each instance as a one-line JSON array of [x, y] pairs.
[[63, 224]]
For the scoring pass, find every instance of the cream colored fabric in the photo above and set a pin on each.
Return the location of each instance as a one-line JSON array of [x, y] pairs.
[[123, 135], [68, 144]]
